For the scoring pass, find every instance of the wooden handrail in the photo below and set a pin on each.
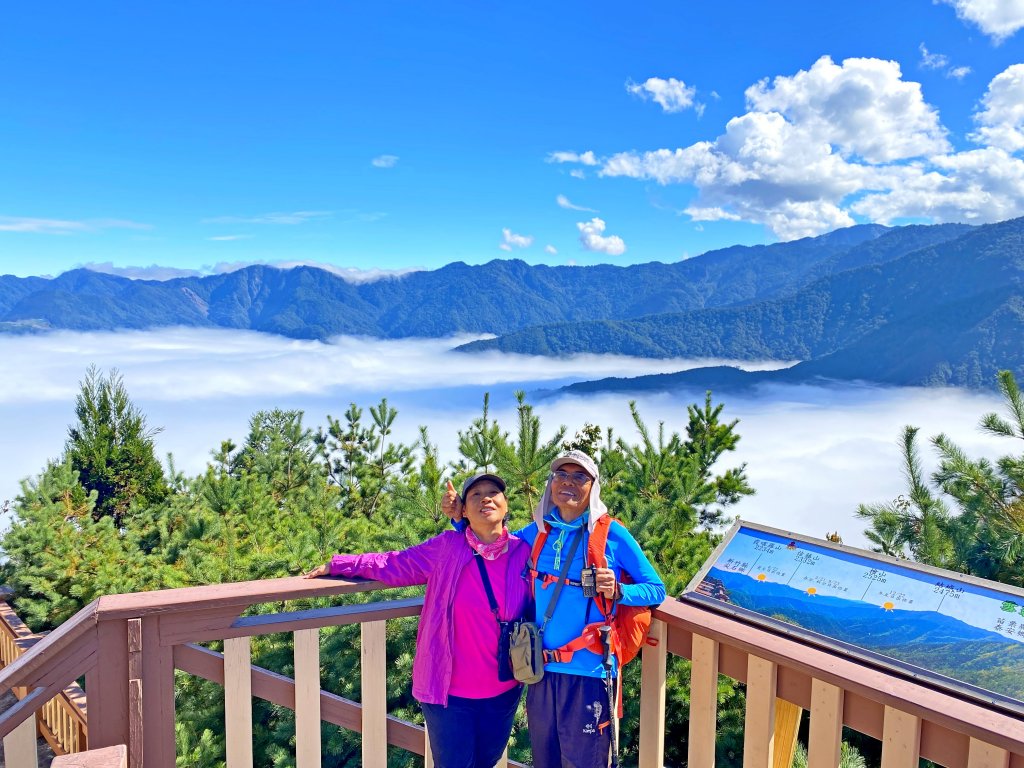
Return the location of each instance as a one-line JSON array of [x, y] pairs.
[[130, 644], [62, 722], [240, 594]]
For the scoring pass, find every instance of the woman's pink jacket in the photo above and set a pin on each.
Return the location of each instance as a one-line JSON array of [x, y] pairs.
[[437, 562]]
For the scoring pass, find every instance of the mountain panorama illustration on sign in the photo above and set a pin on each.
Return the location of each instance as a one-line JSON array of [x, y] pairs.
[[961, 632]]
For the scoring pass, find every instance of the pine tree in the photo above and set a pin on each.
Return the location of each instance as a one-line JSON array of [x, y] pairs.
[[524, 464], [985, 537], [111, 448]]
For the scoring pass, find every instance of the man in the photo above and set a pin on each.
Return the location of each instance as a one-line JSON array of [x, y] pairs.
[[569, 711]]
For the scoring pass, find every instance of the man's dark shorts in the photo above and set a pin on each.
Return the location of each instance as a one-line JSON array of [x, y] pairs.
[[570, 721]]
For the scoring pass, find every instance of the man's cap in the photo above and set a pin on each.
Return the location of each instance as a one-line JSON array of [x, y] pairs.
[[470, 482], [576, 457]]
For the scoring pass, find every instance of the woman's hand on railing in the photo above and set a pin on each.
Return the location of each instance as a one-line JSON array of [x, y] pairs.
[[320, 570], [451, 504]]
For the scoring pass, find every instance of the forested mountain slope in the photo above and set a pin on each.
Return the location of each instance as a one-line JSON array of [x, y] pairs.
[[499, 297], [950, 313]]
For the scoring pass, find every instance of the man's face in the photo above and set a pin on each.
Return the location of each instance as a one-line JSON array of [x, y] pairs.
[[570, 490]]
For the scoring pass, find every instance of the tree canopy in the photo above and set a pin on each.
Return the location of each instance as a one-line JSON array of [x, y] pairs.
[[108, 518]]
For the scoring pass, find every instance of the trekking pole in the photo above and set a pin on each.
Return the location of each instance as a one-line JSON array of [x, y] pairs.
[[609, 685]]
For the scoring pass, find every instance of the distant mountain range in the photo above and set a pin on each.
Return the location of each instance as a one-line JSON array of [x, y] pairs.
[[926, 305]]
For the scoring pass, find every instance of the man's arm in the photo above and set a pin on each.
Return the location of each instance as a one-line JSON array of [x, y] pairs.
[[647, 587]]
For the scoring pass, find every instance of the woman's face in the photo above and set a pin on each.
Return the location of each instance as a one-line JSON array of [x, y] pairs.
[[570, 490], [485, 504]]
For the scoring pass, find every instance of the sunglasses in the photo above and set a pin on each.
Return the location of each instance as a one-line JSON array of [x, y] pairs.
[[577, 478]]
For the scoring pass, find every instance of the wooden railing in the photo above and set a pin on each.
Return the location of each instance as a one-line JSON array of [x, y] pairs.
[[63, 720], [129, 646]]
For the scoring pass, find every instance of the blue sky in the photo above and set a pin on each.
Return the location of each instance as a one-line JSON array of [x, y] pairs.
[[387, 136]]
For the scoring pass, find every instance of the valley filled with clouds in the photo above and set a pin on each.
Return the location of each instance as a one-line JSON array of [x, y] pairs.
[[812, 452]]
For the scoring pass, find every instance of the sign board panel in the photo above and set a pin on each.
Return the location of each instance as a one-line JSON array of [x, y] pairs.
[[962, 633]]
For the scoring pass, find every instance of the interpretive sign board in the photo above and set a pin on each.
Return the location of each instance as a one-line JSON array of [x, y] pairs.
[[959, 632]]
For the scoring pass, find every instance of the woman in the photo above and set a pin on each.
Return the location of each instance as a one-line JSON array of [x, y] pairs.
[[468, 705]]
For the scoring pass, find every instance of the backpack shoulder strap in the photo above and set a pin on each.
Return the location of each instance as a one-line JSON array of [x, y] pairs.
[[598, 542], [530, 572]]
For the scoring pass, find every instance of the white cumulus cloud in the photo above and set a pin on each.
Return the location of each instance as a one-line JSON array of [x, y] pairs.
[[818, 148], [384, 161], [999, 19], [1001, 118], [671, 94], [510, 240], [551, 250], [593, 238]]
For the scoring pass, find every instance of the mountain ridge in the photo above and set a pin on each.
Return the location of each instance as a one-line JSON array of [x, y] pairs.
[[920, 305]]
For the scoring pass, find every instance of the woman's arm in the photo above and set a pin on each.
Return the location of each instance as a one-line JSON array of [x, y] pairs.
[[401, 568]]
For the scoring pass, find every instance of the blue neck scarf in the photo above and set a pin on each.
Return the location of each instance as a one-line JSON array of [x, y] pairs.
[[554, 518]]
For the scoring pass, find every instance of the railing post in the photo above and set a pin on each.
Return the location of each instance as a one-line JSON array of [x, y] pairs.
[[238, 702], [158, 696], [901, 739], [703, 702], [982, 755], [20, 749], [759, 722], [653, 661], [307, 698], [374, 694], [106, 686], [826, 730]]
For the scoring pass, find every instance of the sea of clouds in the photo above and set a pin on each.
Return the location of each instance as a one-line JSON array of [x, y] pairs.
[[812, 452]]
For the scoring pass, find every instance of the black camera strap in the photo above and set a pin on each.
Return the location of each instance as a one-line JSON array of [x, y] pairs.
[[561, 576], [487, 586]]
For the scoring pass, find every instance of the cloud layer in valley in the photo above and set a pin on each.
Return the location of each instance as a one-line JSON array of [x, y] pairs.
[[812, 453]]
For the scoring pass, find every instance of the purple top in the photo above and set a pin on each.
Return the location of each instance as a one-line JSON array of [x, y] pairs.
[[439, 562]]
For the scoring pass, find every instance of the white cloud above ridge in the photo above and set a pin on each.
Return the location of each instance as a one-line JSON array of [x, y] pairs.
[[385, 161], [550, 249], [510, 240], [999, 19], [353, 275], [836, 141], [41, 226], [229, 238], [670, 94], [592, 238], [152, 272], [1001, 117], [565, 202]]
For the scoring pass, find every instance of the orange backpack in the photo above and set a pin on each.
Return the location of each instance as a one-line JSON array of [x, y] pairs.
[[629, 623]]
